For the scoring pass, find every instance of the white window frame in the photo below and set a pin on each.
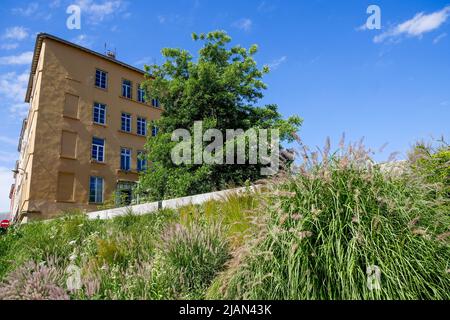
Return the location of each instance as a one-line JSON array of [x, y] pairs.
[[98, 147], [125, 152], [141, 125], [102, 74], [127, 89], [99, 106], [98, 194], [125, 120], [140, 94]]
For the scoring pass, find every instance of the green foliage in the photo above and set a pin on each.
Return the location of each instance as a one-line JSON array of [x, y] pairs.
[[329, 225], [190, 258], [235, 215], [433, 163], [119, 258], [311, 236], [221, 88]]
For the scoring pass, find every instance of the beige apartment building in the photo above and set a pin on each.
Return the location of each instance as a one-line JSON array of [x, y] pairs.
[[85, 131]]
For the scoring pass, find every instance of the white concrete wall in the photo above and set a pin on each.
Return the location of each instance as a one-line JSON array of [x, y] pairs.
[[168, 204]]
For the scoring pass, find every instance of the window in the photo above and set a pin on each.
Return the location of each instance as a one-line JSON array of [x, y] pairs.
[[101, 79], [125, 159], [141, 126], [154, 131], [124, 193], [155, 103], [126, 88], [99, 113], [96, 190], [140, 94], [141, 161], [126, 122], [98, 148]]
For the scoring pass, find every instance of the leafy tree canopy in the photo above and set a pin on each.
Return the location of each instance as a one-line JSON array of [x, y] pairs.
[[221, 87]]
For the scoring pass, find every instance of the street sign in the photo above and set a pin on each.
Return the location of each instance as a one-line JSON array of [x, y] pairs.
[[4, 224]]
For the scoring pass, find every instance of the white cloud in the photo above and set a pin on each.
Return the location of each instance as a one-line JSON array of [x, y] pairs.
[[83, 40], [22, 58], [15, 33], [362, 27], [7, 157], [6, 179], [8, 140], [417, 26], [32, 11], [28, 10], [161, 19], [19, 110], [13, 87], [277, 62], [266, 6], [55, 4], [439, 38], [175, 18], [243, 24], [9, 46], [97, 12], [145, 60]]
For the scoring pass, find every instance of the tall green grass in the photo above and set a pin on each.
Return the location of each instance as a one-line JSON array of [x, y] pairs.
[[332, 225], [340, 228], [129, 257]]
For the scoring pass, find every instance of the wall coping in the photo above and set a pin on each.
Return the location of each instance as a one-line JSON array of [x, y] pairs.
[[146, 208]]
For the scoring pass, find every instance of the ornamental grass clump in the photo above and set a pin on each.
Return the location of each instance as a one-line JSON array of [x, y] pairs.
[[343, 229], [34, 281], [190, 257]]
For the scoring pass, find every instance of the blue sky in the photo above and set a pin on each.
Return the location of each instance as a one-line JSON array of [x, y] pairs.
[[390, 85]]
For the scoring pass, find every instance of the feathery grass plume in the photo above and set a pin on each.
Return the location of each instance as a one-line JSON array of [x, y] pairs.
[[191, 256], [34, 281], [353, 217]]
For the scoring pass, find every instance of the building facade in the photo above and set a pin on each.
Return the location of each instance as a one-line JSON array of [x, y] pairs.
[[83, 139]]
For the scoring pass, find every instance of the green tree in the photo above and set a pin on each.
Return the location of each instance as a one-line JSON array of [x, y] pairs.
[[221, 88]]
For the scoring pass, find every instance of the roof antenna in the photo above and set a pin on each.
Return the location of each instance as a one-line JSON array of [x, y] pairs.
[[110, 53]]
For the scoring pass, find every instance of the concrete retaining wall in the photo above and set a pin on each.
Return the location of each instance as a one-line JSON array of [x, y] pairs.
[[168, 204]]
